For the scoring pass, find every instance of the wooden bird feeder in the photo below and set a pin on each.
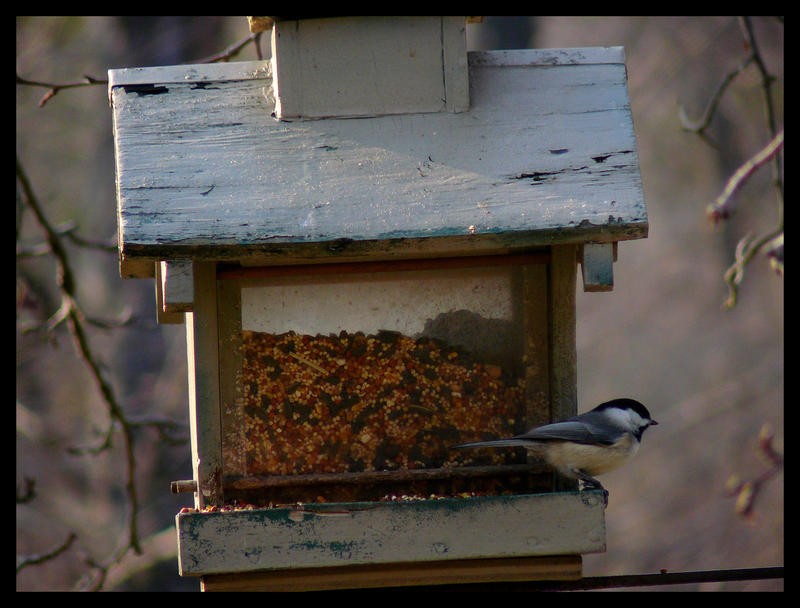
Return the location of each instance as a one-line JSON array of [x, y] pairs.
[[373, 240]]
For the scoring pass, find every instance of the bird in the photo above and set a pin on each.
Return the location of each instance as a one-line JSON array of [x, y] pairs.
[[586, 445]]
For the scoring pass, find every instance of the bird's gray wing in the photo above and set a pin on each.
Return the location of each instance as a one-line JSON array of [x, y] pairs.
[[588, 428], [496, 443], [579, 431]]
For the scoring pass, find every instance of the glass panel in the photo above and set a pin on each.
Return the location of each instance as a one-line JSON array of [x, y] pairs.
[[377, 371]]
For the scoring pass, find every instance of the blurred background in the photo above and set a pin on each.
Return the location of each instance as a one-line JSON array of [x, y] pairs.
[[711, 376]]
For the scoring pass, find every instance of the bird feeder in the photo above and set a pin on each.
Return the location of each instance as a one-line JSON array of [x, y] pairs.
[[373, 240]]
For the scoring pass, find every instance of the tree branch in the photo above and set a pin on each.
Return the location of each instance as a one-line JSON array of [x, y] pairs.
[[32, 560], [722, 207], [69, 311], [746, 492], [55, 88], [701, 124], [235, 49]]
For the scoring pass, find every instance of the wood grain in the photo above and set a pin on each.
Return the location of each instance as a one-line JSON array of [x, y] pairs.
[[545, 155], [427, 531]]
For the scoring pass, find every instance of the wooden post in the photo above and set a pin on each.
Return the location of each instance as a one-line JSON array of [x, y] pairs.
[[203, 367], [564, 383]]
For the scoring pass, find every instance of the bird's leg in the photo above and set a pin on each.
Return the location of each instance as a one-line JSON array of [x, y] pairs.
[[591, 483]]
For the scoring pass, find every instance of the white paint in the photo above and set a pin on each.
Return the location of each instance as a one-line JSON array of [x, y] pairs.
[[546, 153], [399, 301], [374, 533], [369, 66]]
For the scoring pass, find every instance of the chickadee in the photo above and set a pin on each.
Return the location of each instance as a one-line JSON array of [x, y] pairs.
[[586, 445]]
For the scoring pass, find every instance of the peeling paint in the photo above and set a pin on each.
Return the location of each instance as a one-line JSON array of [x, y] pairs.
[[145, 89]]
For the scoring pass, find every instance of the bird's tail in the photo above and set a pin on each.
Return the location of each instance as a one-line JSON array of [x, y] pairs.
[[496, 443]]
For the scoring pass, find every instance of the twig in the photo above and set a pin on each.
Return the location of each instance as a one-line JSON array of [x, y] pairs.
[[766, 78], [32, 560], [69, 311], [234, 50], [748, 247], [28, 492], [67, 230], [55, 88], [721, 208], [87, 81], [746, 492], [701, 124]]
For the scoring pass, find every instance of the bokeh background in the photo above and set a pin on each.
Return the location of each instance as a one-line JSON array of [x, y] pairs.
[[711, 377]]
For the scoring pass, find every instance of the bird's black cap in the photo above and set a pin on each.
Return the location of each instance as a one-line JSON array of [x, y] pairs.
[[630, 404]]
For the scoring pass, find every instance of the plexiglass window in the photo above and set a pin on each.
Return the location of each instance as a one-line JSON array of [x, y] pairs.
[[341, 373]]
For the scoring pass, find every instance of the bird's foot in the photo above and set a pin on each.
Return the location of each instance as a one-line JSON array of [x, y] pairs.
[[590, 483]]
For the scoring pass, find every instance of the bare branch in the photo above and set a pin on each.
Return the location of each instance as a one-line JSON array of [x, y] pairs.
[[722, 207], [55, 88], [87, 81], [28, 492], [701, 124], [32, 560], [746, 249], [746, 492], [767, 79], [774, 251], [68, 230], [234, 49], [69, 311]]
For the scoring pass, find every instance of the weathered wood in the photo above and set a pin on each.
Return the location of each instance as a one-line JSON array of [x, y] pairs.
[[162, 316], [143, 81], [202, 348], [323, 479], [138, 268], [455, 68], [336, 534], [536, 329], [229, 311], [597, 264], [563, 362], [545, 155], [368, 66], [563, 356], [550, 568], [177, 285], [332, 268]]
